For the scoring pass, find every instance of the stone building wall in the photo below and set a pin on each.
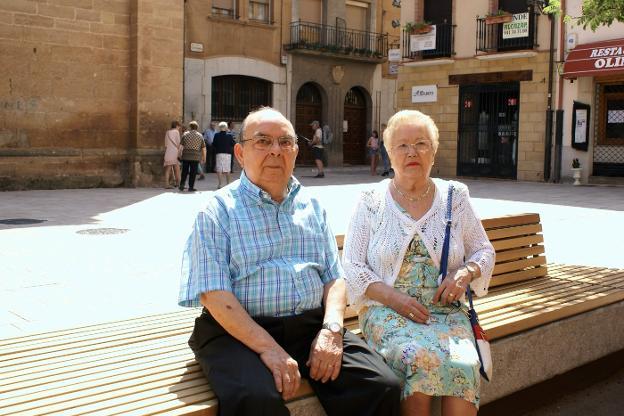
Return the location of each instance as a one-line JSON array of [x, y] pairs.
[[88, 89], [445, 112]]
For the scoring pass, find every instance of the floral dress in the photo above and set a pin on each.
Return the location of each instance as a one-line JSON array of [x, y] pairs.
[[438, 359]]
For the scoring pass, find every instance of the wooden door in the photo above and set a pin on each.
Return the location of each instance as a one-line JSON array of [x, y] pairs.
[[355, 138], [309, 108]]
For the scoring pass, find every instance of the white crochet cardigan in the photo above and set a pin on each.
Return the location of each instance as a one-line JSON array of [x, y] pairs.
[[379, 234]]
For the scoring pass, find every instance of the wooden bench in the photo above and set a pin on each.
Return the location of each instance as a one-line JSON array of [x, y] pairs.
[[543, 320]]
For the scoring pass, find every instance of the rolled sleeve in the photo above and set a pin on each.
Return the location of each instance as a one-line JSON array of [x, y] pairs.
[[205, 261], [333, 268]]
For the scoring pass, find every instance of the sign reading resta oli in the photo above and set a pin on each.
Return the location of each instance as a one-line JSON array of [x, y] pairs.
[[595, 59], [608, 57]]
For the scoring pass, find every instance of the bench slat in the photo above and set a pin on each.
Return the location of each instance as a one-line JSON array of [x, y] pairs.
[[40, 347], [90, 329], [517, 324], [517, 242], [511, 266], [117, 391], [54, 367], [522, 230], [510, 221], [518, 253], [506, 278]]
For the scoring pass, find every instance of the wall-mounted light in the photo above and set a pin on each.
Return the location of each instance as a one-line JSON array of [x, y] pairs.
[[396, 3], [396, 23]]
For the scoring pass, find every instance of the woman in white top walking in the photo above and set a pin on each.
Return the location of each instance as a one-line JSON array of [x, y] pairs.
[[172, 146]]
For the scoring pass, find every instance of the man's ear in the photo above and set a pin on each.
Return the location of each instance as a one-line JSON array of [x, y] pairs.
[[238, 153]]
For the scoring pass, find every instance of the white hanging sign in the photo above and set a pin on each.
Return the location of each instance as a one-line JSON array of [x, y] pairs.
[[518, 27], [423, 42], [425, 94]]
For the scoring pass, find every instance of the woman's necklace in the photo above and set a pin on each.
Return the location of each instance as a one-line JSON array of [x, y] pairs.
[[412, 199]]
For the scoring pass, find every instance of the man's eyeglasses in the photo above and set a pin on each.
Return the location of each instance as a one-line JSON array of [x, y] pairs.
[[421, 146], [264, 143]]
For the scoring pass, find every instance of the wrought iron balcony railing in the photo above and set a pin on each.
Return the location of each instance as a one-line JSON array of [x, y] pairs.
[[444, 41], [332, 39], [491, 37]]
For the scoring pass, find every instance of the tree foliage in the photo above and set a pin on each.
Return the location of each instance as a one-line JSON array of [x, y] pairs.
[[595, 12]]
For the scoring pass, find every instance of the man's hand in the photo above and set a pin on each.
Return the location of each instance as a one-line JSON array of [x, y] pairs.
[[285, 371], [325, 356]]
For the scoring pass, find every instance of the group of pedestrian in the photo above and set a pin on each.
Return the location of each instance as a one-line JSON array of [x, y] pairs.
[[263, 263], [198, 153]]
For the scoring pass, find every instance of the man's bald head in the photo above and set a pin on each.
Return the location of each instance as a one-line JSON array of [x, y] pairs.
[[259, 113]]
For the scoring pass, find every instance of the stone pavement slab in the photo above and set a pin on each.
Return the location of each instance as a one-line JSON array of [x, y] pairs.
[[53, 275]]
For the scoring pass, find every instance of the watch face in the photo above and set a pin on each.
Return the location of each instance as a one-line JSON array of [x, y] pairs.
[[334, 327]]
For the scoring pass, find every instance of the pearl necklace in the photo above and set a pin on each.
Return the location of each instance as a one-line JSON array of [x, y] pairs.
[[409, 198]]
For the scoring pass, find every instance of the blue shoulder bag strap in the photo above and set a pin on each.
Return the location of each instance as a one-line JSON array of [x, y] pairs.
[[447, 234]]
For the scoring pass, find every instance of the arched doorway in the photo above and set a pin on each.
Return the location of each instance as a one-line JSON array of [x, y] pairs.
[[354, 139], [309, 108]]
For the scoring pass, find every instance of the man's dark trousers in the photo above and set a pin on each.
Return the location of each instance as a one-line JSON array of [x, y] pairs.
[[189, 168], [245, 386]]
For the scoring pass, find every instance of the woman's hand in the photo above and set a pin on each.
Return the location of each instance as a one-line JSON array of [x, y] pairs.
[[408, 307], [452, 287]]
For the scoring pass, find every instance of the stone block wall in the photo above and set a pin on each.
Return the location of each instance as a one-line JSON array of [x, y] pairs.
[[68, 101]]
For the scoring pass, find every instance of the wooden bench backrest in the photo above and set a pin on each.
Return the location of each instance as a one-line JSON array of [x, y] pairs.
[[519, 246]]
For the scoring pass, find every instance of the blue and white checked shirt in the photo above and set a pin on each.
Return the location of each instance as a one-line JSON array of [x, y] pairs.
[[275, 258]]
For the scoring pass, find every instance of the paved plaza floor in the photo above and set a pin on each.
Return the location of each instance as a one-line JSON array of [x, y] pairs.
[[108, 254]]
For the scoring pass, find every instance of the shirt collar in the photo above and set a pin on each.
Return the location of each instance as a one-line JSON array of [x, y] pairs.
[[260, 196]]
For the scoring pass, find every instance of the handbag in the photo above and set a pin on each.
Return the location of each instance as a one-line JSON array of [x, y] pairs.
[[482, 344]]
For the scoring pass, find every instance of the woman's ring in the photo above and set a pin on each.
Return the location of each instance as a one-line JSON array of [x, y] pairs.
[[411, 315]]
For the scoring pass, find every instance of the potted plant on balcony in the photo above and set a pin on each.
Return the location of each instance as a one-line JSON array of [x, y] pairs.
[[500, 16], [577, 171], [418, 28]]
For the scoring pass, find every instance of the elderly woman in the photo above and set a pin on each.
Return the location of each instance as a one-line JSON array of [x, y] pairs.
[[392, 259]]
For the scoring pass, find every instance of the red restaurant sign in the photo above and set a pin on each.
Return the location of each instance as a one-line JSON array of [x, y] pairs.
[[595, 59]]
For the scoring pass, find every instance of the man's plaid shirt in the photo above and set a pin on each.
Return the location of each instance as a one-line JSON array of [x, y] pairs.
[[275, 258]]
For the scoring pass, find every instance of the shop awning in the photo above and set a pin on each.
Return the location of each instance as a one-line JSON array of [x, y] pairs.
[[595, 59]]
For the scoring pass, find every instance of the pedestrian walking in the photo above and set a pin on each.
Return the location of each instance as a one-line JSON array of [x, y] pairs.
[[193, 153], [385, 160], [373, 151], [317, 148], [209, 134], [172, 147], [223, 146]]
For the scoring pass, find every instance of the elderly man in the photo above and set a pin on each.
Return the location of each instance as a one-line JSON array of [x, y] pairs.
[[263, 262]]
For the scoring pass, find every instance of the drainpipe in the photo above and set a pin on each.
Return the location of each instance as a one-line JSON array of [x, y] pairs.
[[559, 112], [549, 111]]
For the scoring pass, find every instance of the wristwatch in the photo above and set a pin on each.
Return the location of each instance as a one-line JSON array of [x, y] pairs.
[[473, 270], [334, 327]]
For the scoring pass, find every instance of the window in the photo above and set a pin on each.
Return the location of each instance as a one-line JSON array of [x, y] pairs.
[[357, 15], [612, 115], [234, 96], [224, 8], [260, 10], [310, 11]]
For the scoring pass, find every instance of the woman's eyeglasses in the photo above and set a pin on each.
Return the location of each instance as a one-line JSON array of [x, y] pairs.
[[421, 146], [264, 143]]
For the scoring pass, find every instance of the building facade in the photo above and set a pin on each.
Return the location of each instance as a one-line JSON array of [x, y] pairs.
[[88, 89], [311, 59], [484, 79], [592, 99]]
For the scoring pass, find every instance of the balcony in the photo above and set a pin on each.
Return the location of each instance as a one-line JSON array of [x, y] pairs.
[[443, 45], [331, 40], [490, 37]]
